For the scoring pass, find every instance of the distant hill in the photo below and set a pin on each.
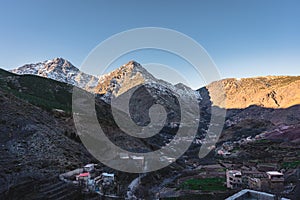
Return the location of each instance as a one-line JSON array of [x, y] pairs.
[[267, 92]]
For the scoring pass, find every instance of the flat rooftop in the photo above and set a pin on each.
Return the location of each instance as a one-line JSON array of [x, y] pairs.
[[253, 195], [274, 173]]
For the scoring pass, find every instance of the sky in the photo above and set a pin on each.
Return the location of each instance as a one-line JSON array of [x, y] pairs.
[[243, 38]]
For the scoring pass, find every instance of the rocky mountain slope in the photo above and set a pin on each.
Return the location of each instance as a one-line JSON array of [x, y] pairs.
[[38, 139], [35, 146], [45, 93], [268, 92]]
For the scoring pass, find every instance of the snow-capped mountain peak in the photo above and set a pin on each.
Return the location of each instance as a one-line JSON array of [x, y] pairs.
[[61, 70], [114, 83], [134, 74]]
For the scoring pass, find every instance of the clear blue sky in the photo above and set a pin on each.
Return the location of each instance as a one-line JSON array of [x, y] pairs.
[[244, 38]]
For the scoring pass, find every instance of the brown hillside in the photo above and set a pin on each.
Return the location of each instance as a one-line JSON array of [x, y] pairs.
[[268, 92]]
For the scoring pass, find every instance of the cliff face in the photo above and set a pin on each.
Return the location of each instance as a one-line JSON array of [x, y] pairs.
[[267, 92]]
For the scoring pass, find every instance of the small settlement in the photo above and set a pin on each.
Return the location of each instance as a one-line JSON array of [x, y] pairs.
[[271, 181], [92, 180], [228, 178]]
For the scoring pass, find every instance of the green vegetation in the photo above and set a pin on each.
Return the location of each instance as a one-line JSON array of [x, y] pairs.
[[221, 170], [291, 165], [206, 184], [262, 141], [45, 93], [236, 149]]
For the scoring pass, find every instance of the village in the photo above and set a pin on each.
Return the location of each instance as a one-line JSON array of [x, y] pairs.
[[227, 178], [232, 172], [228, 174], [217, 178], [92, 179]]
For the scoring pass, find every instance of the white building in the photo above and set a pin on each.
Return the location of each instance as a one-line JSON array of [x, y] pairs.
[[89, 167], [108, 177], [276, 180], [275, 175], [233, 179], [124, 155]]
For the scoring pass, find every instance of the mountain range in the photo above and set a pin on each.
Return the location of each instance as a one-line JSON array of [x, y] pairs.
[[114, 83], [272, 98], [268, 92], [39, 139]]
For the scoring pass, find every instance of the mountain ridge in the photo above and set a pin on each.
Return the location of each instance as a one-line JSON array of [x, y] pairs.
[[108, 85], [268, 92], [229, 93]]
